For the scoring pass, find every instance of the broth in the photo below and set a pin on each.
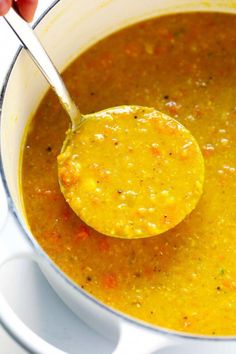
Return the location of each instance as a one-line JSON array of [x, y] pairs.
[[185, 279]]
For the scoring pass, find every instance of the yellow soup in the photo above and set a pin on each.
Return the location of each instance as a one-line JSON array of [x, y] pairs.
[[185, 279]]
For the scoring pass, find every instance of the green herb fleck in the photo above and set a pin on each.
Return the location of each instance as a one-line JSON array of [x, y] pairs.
[[222, 271]]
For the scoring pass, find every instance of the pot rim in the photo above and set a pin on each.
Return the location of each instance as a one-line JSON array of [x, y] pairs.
[[39, 250]]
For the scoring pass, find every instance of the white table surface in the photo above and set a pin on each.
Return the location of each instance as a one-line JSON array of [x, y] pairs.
[[25, 287]]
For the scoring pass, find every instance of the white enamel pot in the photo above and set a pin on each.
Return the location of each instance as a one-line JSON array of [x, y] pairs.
[[66, 30]]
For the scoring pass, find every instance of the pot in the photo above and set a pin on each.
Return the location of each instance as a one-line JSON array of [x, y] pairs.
[[66, 29]]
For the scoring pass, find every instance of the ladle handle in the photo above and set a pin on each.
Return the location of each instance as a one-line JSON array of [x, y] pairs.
[[35, 49]]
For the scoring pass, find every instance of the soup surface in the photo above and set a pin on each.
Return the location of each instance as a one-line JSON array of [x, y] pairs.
[[185, 279]]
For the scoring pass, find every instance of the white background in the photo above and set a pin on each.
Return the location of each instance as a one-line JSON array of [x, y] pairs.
[[22, 282]]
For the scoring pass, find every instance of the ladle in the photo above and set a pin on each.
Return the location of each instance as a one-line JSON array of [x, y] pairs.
[[127, 171]]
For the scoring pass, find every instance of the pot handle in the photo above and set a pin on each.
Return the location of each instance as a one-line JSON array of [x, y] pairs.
[[13, 246], [135, 340]]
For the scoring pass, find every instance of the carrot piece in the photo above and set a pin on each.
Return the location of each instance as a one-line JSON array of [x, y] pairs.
[[208, 150], [81, 234], [161, 48], [109, 280], [66, 213], [148, 271], [68, 177], [229, 284], [155, 151], [169, 36], [103, 245], [173, 108]]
